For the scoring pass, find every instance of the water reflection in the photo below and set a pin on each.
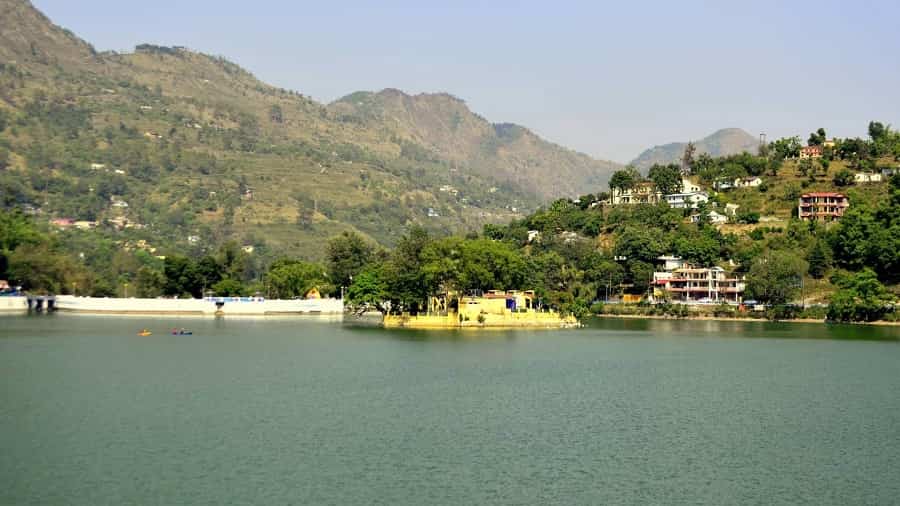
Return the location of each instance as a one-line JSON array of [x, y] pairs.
[[746, 329]]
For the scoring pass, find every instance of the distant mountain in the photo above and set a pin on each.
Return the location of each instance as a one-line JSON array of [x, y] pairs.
[[727, 141], [448, 130], [203, 152]]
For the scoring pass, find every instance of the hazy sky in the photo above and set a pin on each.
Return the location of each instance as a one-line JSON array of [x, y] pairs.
[[609, 79]]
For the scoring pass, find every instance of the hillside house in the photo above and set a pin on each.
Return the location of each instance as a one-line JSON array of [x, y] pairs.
[[889, 171], [723, 184], [867, 177], [62, 222], [686, 200], [717, 218], [119, 222], [811, 152], [731, 209], [85, 225], [642, 193], [748, 182], [713, 217], [822, 206], [701, 285], [645, 192]]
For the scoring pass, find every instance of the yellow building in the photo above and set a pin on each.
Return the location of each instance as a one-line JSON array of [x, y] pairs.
[[496, 308]]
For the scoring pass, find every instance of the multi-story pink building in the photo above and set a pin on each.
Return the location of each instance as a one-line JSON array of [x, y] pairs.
[[825, 206]]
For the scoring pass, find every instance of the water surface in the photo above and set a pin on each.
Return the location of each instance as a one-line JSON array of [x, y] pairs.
[[306, 412]]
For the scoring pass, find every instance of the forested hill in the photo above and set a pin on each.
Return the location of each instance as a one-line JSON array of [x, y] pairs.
[[203, 152], [445, 126], [724, 142]]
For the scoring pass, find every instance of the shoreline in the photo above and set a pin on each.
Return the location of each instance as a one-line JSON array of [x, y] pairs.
[[881, 323]]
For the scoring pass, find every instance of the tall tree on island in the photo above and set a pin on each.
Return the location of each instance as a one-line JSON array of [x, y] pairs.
[[347, 255]]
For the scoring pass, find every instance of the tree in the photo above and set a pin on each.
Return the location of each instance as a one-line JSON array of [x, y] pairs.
[[774, 278], [39, 268], [181, 277], [666, 178], [369, 288], [640, 243], [749, 217], [641, 275], [346, 256], [275, 114], [819, 260], [861, 297], [817, 138], [806, 167], [877, 130], [784, 148], [228, 287], [687, 158], [700, 248], [150, 282], [624, 179], [4, 158], [288, 279], [403, 272], [843, 177]]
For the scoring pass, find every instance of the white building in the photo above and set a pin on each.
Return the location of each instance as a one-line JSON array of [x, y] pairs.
[[686, 200], [867, 177], [710, 284], [747, 182], [716, 218], [646, 193], [671, 262]]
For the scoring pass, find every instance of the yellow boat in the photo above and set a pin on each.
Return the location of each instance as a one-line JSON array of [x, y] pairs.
[[145, 333]]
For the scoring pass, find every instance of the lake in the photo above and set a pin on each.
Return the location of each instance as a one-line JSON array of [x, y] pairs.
[[293, 411]]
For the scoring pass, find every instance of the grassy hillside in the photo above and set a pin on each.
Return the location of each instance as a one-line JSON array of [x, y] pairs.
[[511, 153], [197, 146]]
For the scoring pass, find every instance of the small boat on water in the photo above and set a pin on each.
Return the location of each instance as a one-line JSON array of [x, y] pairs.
[[182, 332], [144, 333]]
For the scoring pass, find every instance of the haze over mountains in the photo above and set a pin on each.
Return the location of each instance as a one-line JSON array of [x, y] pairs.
[[198, 146], [728, 141]]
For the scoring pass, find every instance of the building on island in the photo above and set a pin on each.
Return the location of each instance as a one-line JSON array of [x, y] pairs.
[[824, 206], [495, 308], [811, 152]]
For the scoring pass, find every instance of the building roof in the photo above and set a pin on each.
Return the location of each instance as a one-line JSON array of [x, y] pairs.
[[823, 194]]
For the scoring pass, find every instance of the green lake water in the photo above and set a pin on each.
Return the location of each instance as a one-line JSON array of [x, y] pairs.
[[293, 411]]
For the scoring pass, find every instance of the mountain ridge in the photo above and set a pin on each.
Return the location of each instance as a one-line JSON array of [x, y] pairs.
[[184, 135], [722, 142]]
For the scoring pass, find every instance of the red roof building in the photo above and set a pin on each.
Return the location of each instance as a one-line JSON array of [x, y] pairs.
[[811, 152], [825, 206]]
